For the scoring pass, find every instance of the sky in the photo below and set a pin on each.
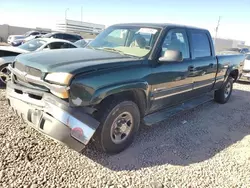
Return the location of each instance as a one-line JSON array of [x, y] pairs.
[[235, 15]]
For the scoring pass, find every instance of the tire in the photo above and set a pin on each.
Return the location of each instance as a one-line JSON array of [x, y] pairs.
[[223, 94], [5, 71], [114, 115]]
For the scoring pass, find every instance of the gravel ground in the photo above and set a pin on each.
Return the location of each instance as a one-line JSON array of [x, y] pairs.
[[205, 147]]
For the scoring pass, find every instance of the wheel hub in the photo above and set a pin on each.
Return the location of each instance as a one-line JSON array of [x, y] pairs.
[[227, 90], [121, 127], [4, 74]]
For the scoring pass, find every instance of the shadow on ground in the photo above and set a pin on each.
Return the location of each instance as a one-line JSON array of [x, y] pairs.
[[210, 129]]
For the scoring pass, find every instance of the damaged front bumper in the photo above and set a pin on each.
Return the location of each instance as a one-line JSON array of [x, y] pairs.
[[52, 116]]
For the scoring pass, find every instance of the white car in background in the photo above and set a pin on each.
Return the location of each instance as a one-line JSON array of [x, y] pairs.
[[13, 38], [9, 53], [246, 69]]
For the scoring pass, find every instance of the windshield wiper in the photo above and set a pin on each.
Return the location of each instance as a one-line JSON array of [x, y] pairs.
[[115, 50], [90, 47]]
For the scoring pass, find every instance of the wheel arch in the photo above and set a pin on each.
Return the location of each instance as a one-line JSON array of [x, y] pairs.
[[134, 93]]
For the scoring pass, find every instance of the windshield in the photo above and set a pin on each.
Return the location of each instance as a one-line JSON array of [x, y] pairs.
[[135, 41], [18, 37], [248, 57], [48, 35], [81, 43], [32, 45]]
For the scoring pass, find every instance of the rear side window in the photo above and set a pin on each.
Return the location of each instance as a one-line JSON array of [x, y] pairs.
[[70, 37], [67, 45], [56, 45], [58, 36], [201, 44]]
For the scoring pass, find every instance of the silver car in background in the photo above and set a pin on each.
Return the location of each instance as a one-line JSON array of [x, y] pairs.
[[246, 69], [9, 53]]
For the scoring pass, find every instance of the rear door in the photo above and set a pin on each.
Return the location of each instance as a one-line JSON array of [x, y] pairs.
[[204, 62], [171, 81]]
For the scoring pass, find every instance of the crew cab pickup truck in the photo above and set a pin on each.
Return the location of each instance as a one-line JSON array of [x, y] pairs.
[[131, 75]]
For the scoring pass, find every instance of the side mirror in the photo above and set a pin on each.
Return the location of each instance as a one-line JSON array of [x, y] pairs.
[[171, 55]]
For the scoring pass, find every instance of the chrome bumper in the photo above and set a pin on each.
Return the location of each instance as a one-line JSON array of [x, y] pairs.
[[52, 116], [245, 77]]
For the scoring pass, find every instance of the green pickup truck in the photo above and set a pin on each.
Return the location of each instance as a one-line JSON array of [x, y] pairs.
[[130, 75]]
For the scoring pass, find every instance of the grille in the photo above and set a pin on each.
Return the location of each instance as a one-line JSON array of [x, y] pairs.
[[29, 70]]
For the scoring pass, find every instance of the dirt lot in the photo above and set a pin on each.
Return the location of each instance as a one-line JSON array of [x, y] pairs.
[[212, 149]]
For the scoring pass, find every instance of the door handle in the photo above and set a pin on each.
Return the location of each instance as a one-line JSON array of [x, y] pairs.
[[191, 68]]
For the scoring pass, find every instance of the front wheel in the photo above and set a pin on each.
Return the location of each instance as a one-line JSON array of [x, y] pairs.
[[4, 74], [223, 94], [120, 122]]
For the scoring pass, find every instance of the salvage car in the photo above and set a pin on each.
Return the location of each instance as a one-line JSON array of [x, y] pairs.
[[130, 75], [65, 36], [245, 76], [8, 53]]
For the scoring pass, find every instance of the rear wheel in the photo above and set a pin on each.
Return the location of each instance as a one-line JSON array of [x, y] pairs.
[[222, 95], [120, 122], [4, 74]]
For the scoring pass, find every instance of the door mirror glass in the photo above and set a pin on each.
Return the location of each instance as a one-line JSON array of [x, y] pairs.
[[171, 55]]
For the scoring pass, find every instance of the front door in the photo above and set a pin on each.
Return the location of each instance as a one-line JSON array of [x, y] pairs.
[[171, 81]]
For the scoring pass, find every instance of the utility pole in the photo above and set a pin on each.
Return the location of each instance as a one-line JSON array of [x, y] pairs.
[[66, 13], [216, 30], [81, 13]]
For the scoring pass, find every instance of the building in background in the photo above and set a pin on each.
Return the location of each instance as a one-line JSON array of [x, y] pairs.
[[222, 44], [83, 28]]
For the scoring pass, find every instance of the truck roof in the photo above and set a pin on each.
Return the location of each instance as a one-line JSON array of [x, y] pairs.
[[159, 25]]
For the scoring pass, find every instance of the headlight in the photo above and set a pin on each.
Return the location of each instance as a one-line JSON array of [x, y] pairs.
[[59, 78]]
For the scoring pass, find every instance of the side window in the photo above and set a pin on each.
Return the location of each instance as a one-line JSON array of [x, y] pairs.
[[57, 36], [176, 39], [69, 37], [201, 44], [67, 45], [35, 33], [56, 45]]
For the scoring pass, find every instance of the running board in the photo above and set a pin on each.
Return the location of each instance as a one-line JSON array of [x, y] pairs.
[[164, 114]]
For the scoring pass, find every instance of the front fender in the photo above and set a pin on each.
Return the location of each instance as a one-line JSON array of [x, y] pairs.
[[102, 93], [82, 95]]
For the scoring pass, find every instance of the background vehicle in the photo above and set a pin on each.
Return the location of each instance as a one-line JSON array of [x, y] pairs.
[[12, 38], [129, 73], [246, 69], [235, 51], [83, 42], [29, 36], [8, 53], [64, 36]]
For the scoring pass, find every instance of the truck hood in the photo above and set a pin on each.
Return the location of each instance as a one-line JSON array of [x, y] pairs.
[[72, 60]]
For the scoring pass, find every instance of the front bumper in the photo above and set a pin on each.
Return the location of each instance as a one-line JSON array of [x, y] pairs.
[[245, 77], [52, 116]]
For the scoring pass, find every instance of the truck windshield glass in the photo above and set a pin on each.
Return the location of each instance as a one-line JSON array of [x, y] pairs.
[[134, 41], [32, 45]]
